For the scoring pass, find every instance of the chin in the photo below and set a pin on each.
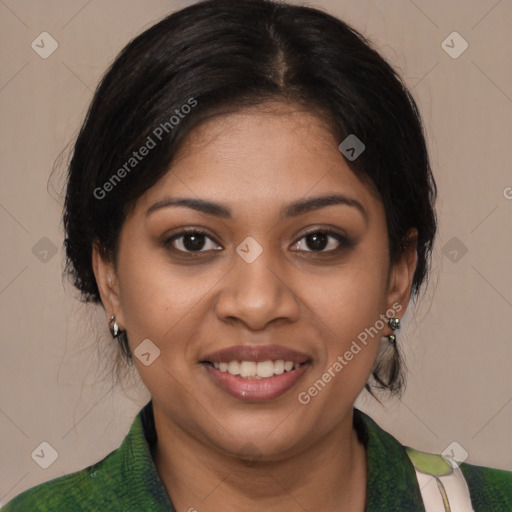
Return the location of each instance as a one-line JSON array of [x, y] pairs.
[[261, 444]]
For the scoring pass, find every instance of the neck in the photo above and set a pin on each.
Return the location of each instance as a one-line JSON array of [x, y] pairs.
[[329, 475]]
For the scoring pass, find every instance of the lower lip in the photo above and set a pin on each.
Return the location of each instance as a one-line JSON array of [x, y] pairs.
[[256, 390]]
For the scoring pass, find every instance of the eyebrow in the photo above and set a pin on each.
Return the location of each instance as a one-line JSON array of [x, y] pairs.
[[294, 209]]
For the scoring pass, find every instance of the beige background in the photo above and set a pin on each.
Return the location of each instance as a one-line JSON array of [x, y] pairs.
[[458, 340]]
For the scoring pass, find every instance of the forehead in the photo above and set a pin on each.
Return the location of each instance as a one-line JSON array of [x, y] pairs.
[[261, 155]]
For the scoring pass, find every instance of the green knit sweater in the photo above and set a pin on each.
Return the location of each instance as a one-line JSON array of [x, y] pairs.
[[126, 480]]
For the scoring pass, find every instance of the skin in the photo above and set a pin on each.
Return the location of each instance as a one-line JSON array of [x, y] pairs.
[[215, 452]]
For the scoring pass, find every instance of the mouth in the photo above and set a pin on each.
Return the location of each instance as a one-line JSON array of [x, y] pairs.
[[256, 373], [254, 369]]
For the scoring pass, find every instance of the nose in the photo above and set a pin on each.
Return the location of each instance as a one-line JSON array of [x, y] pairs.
[[257, 293]]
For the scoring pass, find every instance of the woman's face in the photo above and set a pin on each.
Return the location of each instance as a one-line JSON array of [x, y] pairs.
[[256, 287]]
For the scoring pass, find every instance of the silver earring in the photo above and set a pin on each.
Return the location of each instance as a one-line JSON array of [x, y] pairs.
[[394, 323], [116, 331]]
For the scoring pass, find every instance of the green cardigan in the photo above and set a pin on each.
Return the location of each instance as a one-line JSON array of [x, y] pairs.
[[127, 479]]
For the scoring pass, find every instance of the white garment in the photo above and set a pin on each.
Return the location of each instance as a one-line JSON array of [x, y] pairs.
[[442, 493]]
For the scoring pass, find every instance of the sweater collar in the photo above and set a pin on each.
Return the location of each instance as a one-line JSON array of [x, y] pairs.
[[391, 483]]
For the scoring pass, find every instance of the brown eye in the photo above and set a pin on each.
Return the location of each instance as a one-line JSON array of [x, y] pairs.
[[191, 241], [322, 241]]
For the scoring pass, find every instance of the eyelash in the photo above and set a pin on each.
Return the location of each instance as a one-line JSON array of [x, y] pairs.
[[344, 243]]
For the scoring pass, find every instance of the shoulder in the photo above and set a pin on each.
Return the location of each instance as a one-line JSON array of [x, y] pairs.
[[391, 462], [126, 479], [81, 490], [94, 488], [490, 488], [69, 492]]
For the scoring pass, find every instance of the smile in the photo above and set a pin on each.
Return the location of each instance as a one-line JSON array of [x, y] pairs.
[[256, 372]]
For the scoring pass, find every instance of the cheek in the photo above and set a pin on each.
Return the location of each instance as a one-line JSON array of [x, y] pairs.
[[347, 312], [161, 305], [347, 308], [161, 301], [352, 297]]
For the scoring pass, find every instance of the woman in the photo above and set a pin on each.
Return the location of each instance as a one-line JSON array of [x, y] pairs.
[[251, 201]]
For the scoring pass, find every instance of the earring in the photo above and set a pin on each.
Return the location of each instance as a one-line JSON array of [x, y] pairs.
[[394, 323], [116, 331]]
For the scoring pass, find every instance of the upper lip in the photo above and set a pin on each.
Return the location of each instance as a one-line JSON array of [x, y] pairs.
[[255, 353]]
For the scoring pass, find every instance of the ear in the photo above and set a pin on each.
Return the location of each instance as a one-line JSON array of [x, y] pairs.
[[108, 285], [402, 272]]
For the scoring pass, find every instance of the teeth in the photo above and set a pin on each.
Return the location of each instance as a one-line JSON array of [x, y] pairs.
[[248, 369], [279, 367], [265, 369], [256, 370], [233, 367]]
